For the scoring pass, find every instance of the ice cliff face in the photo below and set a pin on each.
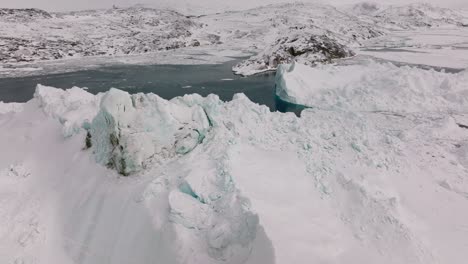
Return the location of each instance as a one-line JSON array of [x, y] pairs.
[[130, 130]]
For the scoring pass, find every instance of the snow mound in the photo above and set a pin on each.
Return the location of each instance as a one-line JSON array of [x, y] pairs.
[[372, 86]]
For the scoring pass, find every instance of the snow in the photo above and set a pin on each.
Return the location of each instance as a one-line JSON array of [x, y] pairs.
[[262, 187], [418, 15], [434, 47]]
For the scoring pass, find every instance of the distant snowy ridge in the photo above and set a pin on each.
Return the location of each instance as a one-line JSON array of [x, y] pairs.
[[10, 107]]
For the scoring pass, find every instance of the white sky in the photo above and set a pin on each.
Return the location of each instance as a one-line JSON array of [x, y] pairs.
[[61, 5]]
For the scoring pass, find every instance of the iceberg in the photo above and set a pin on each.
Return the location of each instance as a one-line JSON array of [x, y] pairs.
[[372, 86]]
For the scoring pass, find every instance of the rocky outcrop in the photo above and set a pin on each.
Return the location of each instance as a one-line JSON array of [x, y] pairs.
[[307, 49], [27, 14]]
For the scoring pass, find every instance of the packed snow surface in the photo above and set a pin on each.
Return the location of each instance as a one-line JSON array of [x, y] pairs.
[[231, 182]]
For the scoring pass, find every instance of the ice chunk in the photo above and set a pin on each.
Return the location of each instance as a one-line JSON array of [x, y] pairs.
[[74, 107], [209, 205]]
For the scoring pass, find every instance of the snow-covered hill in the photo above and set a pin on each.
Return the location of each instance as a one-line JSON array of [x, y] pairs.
[[372, 86], [91, 33], [22, 15]]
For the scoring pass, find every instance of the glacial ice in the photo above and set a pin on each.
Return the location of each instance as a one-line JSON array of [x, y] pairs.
[[131, 129]]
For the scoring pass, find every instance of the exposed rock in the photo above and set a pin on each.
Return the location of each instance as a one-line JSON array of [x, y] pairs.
[[309, 50], [27, 14]]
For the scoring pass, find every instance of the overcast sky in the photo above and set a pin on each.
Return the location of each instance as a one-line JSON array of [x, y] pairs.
[[62, 5]]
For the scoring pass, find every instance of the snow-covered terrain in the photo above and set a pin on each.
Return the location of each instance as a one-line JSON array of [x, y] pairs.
[[419, 15], [306, 32], [311, 33]]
